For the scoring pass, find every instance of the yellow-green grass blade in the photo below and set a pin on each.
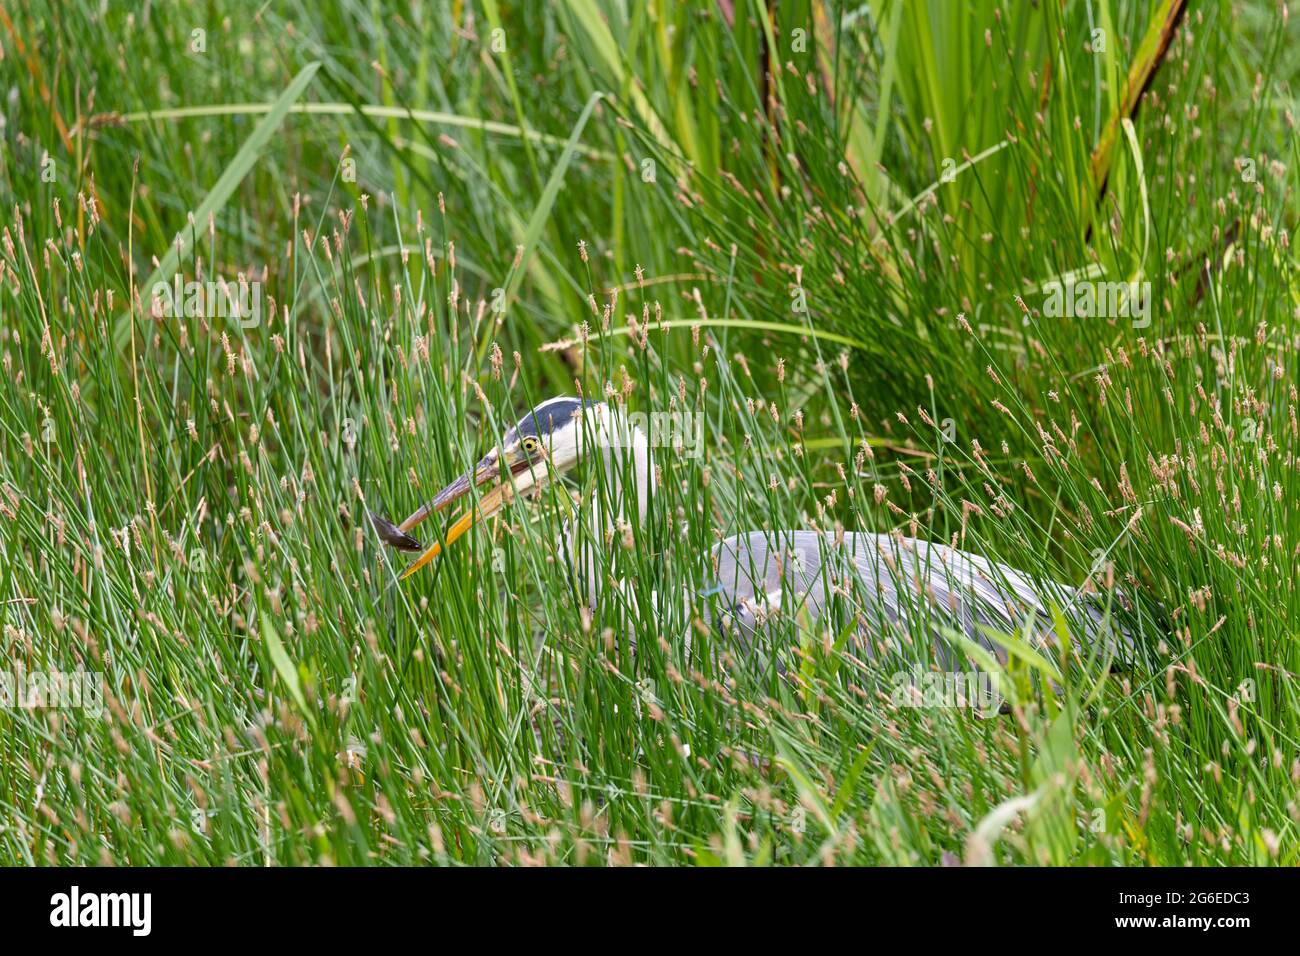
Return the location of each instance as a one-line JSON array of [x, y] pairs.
[[1150, 53], [757, 325], [346, 109], [223, 189], [542, 211], [588, 17]]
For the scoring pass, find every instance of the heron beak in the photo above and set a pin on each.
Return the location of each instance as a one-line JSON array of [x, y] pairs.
[[398, 535], [523, 475], [488, 505], [482, 473]]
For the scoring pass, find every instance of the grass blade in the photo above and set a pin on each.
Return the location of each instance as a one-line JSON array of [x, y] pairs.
[[224, 188]]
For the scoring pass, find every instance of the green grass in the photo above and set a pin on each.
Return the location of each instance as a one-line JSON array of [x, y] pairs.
[[834, 228]]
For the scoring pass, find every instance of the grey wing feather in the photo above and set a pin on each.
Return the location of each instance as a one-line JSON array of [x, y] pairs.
[[901, 588]]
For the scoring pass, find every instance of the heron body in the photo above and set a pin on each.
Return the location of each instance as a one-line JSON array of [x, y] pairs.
[[897, 588], [893, 587]]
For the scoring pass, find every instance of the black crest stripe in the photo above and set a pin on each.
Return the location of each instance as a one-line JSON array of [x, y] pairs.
[[544, 420]]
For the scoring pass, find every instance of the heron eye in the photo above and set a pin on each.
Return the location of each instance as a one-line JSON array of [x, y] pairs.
[[530, 445]]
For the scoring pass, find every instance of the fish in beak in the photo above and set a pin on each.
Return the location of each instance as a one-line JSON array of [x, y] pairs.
[[523, 473]]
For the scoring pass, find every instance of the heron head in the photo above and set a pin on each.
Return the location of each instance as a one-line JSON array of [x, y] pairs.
[[541, 446]]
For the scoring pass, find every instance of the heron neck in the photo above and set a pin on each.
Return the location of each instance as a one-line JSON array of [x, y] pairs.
[[628, 470]]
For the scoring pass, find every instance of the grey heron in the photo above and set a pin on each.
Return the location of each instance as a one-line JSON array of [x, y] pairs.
[[897, 585]]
